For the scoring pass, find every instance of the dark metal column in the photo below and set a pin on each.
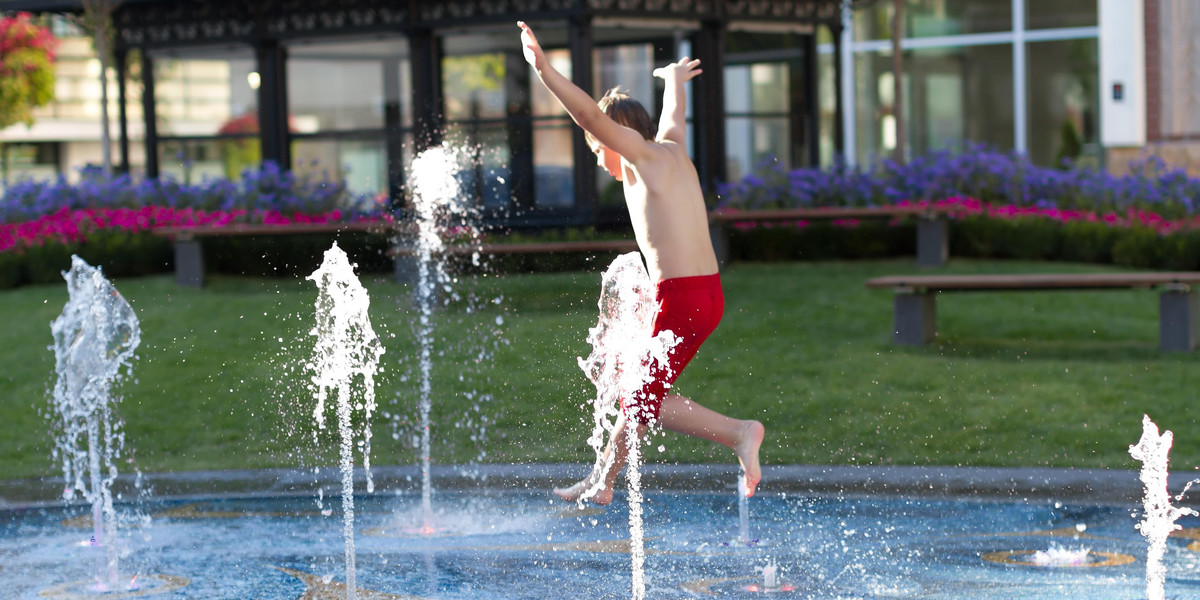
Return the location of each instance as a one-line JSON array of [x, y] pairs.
[[579, 40], [428, 119], [520, 130], [708, 102], [121, 58], [272, 103], [393, 128], [148, 115], [811, 117], [839, 107]]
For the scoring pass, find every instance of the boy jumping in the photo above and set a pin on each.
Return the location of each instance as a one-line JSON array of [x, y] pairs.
[[666, 207]]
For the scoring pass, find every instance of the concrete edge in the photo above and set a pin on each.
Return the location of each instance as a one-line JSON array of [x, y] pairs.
[[1104, 486]]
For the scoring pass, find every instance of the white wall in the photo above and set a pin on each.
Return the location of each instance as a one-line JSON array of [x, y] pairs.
[[1122, 61]]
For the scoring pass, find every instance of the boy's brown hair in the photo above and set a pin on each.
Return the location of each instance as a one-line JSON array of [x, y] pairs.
[[623, 109]]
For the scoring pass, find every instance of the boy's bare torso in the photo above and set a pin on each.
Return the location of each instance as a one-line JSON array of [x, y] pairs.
[[666, 207]]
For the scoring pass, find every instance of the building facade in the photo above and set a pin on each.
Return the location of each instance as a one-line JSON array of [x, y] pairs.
[[353, 89]]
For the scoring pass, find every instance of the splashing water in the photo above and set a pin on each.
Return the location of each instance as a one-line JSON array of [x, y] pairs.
[[440, 205], [94, 340], [620, 364], [743, 512], [1159, 516], [1061, 556], [347, 351]]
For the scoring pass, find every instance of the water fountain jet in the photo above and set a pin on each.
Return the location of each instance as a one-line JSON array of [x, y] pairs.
[[345, 359], [1159, 516], [94, 339]]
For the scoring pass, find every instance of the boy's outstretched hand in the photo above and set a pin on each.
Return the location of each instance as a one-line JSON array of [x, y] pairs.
[[683, 70], [533, 50]]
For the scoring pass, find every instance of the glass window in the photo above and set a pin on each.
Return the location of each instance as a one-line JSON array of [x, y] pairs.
[[192, 161], [486, 175], [757, 122], [345, 86], [1040, 14], [29, 160], [201, 93], [544, 103], [553, 157], [926, 18], [629, 66], [474, 86], [361, 164], [1063, 102], [952, 96]]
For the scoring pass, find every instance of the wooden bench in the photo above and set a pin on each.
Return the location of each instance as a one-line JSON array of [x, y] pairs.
[[406, 267], [915, 310], [189, 252], [933, 239]]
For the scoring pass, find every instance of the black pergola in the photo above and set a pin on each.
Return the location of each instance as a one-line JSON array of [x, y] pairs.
[[268, 25]]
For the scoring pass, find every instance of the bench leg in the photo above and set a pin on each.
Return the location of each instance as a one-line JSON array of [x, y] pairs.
[[720, 242], [189, 263], [915, 318], [933, 242], [405, 263], [1177, 321]]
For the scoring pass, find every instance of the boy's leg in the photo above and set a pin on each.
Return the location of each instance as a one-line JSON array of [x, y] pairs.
[[685, 416], [603, 479]]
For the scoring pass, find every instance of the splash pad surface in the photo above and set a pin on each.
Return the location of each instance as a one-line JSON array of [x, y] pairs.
[[501, 540]]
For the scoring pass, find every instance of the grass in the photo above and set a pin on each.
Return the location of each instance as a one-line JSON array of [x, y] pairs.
[[1014, 379]]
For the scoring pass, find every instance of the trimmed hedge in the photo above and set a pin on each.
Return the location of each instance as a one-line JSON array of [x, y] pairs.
[[978, 236]]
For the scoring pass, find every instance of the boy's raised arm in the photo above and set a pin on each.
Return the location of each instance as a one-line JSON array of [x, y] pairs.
[[582, 108], [672, 125]]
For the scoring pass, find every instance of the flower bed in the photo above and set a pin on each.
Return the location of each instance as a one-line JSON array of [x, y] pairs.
[[988, 176], [266, 192], [68, 226]]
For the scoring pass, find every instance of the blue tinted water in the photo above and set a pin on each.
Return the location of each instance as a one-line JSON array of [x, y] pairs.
[[506, 545]]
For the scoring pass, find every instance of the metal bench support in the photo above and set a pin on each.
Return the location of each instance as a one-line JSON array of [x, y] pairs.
[[189, 262], [1177, 320], [915, 318], [933, 242]]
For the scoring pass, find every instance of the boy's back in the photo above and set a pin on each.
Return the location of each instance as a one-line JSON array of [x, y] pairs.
[[667, 209]]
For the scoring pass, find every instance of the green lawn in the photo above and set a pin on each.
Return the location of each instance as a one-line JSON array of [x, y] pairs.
[[1039, 379]]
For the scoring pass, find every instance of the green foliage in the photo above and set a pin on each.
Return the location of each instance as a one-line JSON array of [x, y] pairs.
[[1088, 241], [1181, 251], [1138, 247], [1027, 238], [26, 69]]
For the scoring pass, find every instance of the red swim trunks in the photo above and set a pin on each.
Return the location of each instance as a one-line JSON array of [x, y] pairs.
[[690, 307]]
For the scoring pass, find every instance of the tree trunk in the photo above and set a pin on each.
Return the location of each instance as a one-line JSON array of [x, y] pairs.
[[898, 79], [105, 135]]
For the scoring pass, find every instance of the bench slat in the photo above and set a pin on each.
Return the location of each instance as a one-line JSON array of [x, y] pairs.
[[1041, 281], [536, 247], [833, 212], [290, 228]]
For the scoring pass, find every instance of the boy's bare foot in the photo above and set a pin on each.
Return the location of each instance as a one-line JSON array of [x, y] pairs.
[[747, 452], [578, 493]]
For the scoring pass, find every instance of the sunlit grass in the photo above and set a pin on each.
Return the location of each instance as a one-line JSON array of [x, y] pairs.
[[1037, 379]]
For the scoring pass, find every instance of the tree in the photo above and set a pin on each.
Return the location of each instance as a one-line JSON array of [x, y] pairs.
[[26, 69], [97, 21], [26, 73]]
